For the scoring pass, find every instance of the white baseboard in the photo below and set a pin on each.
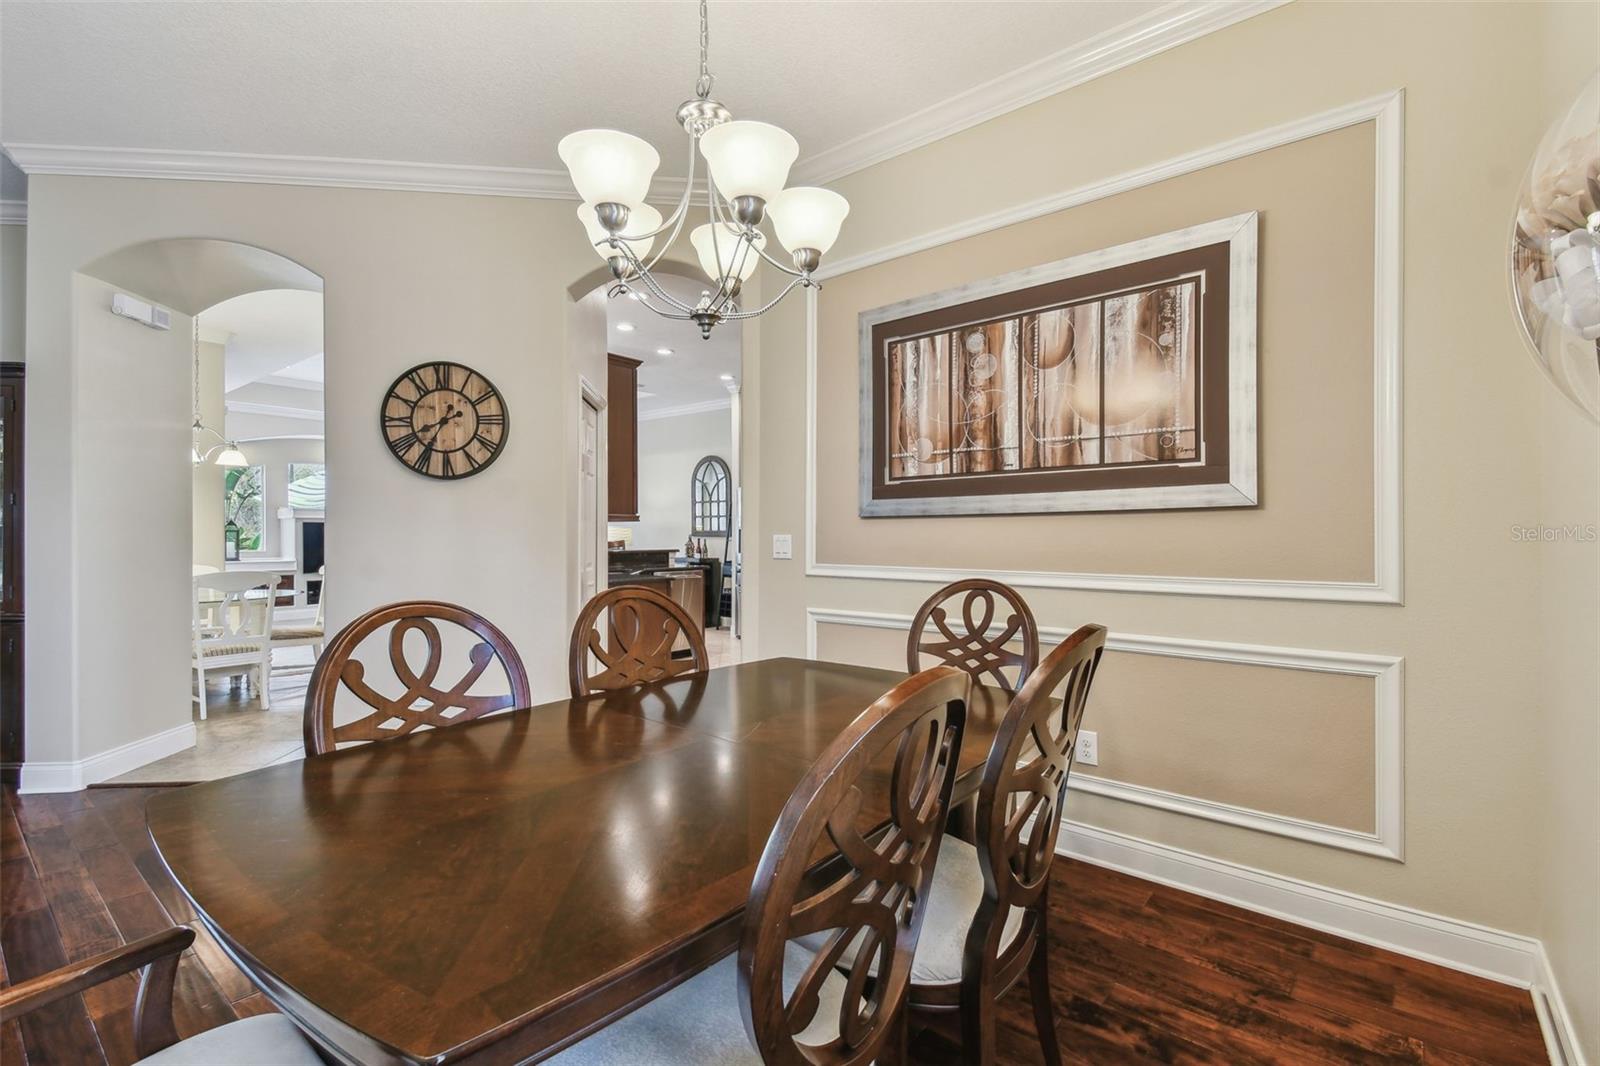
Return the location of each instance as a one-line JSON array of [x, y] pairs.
[[1560, 1035], [1509, 958], [72, 776]]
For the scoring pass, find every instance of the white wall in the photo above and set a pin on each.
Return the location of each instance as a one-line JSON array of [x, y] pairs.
[[669, 448], [132, 528], [206, 503]]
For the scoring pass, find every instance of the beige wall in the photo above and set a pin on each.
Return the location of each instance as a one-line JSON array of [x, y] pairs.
[[390, 262], [13, 291], [1471, 630], [1315, 199]]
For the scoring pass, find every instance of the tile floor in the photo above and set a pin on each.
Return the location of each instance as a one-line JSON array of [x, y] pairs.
[[238, 736]]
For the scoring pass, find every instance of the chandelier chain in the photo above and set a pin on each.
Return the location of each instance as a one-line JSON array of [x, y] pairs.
[[195, 345], [702, 85]]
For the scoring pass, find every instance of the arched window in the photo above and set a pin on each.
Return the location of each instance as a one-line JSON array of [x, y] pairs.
[[710, 495]]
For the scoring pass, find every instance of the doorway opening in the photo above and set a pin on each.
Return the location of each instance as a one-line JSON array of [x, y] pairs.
[[672, 462], [239, 375]]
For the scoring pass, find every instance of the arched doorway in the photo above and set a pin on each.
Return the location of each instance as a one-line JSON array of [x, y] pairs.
[[137, 478]]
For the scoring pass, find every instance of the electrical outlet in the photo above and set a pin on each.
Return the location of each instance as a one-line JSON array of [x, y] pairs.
[[782, 546], [1088, 747]]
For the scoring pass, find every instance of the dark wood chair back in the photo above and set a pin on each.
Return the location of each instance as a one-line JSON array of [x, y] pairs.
[[641, 628], [1024, 787], [424, 702], [965, 642], [875, 891]]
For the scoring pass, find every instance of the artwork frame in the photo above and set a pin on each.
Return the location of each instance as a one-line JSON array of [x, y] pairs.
[[1223, 468]]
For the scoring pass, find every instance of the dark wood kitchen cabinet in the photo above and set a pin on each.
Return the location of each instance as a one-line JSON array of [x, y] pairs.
[[622, 437]]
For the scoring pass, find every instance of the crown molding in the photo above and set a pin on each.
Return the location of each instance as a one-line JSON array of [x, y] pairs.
[[1167, 27], [102, 162], [246, 407], [13, 212], [701, 407]]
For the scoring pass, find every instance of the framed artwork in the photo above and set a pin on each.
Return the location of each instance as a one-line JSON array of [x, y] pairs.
[[1121, 379]]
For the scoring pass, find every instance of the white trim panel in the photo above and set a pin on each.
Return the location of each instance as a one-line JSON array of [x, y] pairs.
[[1386, 112], [72, 776], [13, 212], [1385, 841]]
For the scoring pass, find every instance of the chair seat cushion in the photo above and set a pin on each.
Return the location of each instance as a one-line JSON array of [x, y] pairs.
[[230, 647], [297, 632], [952, 904], [699, 1022], [264, 1040], [957, 891]]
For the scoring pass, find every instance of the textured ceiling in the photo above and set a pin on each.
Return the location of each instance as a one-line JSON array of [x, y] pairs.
[[497, 84]]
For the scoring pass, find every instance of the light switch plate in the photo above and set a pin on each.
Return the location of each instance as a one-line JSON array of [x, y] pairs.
[[782, 546]]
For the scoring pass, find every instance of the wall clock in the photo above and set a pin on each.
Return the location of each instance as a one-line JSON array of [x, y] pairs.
[[444, 420]]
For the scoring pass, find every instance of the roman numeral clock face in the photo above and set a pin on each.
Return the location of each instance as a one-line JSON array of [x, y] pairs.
[[444, 420]]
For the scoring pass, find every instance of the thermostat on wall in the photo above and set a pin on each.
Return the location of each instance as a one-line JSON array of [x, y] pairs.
[[141, 312]]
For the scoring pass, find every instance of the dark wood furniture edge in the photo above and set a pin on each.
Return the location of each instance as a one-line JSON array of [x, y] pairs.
[[156, 955]]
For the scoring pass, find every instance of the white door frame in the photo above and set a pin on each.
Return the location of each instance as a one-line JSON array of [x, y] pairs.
[[589, 395]]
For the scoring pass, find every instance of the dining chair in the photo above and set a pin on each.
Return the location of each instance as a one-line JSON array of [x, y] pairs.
[[231, 633], [423, 703], [989, 905], [641, 628], [301, 636], [261, 1039], [780, 999], [966, 641]]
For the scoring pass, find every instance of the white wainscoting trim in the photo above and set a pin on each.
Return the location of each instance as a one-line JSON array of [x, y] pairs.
[[1476, 949], [1138, 39], [1386, 111], [13, 212], [72, 776], [1386, 840]]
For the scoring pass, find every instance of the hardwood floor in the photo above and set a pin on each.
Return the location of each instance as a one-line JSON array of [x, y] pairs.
[[1141, 973]]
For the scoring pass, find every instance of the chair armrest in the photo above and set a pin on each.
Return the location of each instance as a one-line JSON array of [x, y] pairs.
[[157, 955]]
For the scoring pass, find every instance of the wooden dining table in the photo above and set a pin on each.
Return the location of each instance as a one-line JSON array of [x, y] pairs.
[[494, 891]]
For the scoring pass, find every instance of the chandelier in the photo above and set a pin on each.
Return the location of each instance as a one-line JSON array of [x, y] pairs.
[[747, 164], [226, 451]]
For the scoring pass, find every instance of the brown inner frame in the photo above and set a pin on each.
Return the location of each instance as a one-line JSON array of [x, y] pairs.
[[1211, 261]]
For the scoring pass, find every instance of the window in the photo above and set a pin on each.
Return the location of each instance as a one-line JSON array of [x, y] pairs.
[[307, 486], [244, 501], [710, 491]]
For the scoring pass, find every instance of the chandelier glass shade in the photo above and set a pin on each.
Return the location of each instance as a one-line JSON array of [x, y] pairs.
[[746, 170]]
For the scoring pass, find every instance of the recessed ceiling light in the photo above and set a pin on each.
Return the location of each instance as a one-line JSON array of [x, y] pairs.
[[727, 377], [663, 351], [624, 327]]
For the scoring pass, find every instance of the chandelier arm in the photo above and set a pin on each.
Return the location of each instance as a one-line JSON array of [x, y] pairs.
[[738, 315], [793, 273], [650, 282], [679, 216]]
